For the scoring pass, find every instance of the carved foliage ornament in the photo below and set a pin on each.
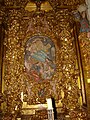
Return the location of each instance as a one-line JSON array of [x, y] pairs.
[[54, 3]]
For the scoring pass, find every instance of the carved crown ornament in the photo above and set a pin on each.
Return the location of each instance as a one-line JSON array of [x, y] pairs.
[[37, 5], [54, 3]]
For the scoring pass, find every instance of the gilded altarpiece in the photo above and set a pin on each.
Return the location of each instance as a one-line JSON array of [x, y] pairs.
[[40, 61]]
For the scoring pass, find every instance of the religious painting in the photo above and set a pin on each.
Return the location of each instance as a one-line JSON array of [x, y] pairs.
[[40, 58]]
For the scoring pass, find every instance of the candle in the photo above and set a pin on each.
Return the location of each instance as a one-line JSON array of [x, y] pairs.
[[24, 104], [16, 107], [18, 118], [22, 96], [49, 103]]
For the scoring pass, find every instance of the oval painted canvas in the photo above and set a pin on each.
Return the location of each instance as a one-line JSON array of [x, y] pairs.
[[40, 58]]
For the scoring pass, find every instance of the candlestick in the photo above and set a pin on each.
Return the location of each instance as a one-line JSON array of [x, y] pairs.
[[50, 109], [50, 114]]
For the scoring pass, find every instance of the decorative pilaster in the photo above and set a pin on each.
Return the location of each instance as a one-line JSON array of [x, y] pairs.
[[2, 31]]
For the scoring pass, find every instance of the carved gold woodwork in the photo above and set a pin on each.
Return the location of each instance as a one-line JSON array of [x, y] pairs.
[[63, 87], [31, 6], [54, 3], [85, 55], [84, 45]]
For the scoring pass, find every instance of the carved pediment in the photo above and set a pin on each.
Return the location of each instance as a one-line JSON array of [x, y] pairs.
[[53, 3]]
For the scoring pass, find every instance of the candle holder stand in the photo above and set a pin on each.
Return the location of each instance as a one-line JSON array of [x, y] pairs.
[[50, 114]]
